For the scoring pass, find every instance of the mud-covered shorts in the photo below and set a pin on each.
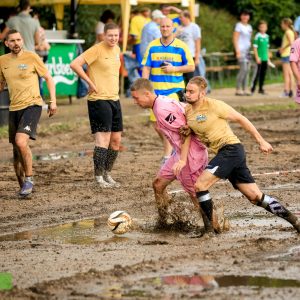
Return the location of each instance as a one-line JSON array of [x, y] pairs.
[[105, 116], [186, 177]]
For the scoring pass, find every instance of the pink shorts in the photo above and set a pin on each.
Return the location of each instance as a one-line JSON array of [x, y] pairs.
[[185, 177], [297, 97]]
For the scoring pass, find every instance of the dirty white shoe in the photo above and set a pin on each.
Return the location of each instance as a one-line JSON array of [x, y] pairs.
[[111, 181], [102, 183]]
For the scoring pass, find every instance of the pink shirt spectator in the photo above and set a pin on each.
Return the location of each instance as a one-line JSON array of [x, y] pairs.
[[170, 117], [295, 57]]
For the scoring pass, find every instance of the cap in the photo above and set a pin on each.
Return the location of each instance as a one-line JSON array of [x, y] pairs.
[[157, 14]]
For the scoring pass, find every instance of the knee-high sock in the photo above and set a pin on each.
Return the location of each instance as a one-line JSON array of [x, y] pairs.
[[111, 158], [100, 158], [206, 205], [273, 206]]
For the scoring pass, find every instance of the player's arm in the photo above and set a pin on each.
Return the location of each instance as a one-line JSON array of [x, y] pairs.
[[77, 66], [51, 87], [2, 81], [235, 116], [185, 146], [296, 72], [146, 72]]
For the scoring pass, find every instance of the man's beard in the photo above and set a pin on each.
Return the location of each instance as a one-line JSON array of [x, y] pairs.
[[16, 50]]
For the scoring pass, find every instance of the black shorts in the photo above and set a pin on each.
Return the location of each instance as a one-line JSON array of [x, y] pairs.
[[24, 121], [230, 163], [105, 116]]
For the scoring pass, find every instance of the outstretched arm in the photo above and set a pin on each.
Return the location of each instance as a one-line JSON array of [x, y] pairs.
[[235, 116]]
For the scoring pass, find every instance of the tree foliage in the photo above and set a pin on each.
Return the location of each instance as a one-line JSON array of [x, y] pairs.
[[272, 11]]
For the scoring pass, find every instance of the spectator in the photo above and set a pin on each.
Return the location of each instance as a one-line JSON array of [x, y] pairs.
[[297, 26], [190, 33], [285, 49], [136, 27], [295, 66], [107, 17], [167, 9], [42, 50], [151, 31], [242, 43], [165, 61], [26, 25], [146, 13], [261, 54]]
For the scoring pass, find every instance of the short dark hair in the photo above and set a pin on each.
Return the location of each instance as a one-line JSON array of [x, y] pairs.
[[186, 14], [106, 15], [245, 12], [11, 31], [24, 4], [110, 26]]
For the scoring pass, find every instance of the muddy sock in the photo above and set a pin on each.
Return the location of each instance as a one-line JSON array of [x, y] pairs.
[[273, 206], [206, 205], [29, 178], [111, 158], [100, 157]]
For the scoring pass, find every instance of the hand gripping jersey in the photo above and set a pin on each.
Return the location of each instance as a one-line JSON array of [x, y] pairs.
[[170, 117]]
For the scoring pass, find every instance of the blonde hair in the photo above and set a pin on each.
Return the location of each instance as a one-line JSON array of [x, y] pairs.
[[199, 81], [142, 84], [289, 23]]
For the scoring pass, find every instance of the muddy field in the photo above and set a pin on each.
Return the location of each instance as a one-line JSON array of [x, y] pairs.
[[56, 245]]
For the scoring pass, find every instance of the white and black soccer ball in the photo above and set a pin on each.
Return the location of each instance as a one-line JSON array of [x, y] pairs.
[[119, 222]]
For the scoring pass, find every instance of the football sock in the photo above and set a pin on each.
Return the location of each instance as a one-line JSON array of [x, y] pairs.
[[273, 206], [206, 205], [110, 159], [100, 157]]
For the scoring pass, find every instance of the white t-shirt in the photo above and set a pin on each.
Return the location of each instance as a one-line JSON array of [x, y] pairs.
[[100, 28], [244, 41], [189, 34]]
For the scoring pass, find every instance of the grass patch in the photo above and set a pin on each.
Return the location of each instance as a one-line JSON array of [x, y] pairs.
[[60, 127], [268, 107], [3, 132]]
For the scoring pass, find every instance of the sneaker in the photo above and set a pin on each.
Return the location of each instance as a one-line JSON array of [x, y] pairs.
[[239, 93], [111, 181], [291, 94], [26, 189], [102, 183], [284, 95], [262, 92]]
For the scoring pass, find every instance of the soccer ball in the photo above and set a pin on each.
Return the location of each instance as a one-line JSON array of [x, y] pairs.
[[119, 222]]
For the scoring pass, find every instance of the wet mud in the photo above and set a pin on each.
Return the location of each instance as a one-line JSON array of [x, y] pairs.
[[56, 244]]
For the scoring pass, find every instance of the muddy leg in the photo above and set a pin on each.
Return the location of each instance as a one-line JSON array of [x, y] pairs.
[[161, 197], [215, 222], [18, 165]]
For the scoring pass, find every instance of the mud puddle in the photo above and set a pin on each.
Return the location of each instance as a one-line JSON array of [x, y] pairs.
[[182, 286], [81, 232], [94, 231]]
